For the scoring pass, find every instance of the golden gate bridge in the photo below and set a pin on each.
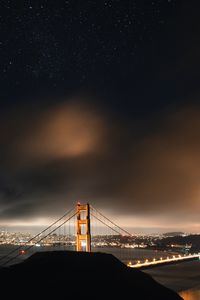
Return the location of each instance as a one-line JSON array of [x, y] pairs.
[[86, 225]]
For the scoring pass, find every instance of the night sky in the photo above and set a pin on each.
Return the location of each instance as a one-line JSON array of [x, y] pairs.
[[99, 102]]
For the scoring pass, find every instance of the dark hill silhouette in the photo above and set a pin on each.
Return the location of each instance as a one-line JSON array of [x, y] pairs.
[[67, 275]]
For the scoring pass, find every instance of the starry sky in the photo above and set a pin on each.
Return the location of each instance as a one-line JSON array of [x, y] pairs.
[[99, 102]]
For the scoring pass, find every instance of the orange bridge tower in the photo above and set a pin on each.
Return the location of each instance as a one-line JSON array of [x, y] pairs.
[[83, 238]]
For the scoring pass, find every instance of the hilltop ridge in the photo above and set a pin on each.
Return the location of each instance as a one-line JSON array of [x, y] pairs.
[[89, 275]]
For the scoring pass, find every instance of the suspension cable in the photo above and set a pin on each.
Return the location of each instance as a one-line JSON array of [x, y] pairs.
[[125, 231], [31, 239], [12, 258], [105, 224]]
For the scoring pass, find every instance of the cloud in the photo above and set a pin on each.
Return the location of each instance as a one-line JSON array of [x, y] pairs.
[[71, 152], [66, 130]]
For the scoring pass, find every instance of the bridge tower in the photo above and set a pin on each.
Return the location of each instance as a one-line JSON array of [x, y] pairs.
[[83, 238]]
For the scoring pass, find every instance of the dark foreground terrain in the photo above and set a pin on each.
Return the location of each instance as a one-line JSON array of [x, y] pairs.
[[69, 275]]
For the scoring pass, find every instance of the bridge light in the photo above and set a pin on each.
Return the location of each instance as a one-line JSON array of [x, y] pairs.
[[154, 259], [138, 262], [146, 260], [161, 258]]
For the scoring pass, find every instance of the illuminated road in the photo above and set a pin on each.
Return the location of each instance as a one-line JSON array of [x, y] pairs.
[[160, 261]]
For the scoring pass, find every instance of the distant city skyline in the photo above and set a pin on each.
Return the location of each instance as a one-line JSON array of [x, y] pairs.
[[34, 229]]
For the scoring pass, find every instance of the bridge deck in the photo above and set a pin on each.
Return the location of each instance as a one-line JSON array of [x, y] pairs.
[[161, 261]]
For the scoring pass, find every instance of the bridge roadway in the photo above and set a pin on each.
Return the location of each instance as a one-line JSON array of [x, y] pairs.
[[154, 262]]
